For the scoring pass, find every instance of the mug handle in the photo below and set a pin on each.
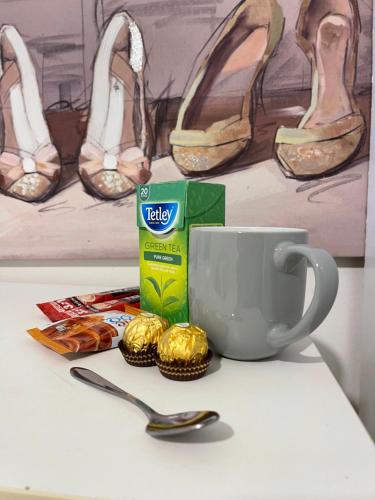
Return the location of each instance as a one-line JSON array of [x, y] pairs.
[[286, 256]]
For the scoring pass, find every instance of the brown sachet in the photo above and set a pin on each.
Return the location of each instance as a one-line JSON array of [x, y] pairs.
[[83, 334]]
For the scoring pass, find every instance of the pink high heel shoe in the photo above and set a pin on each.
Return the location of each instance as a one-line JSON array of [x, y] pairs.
[[116, 154], [29, 163]]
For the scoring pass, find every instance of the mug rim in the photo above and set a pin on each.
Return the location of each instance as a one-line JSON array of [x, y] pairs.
[[249, 229]]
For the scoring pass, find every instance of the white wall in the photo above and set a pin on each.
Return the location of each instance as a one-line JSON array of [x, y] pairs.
[[337, 338], [367, 378]]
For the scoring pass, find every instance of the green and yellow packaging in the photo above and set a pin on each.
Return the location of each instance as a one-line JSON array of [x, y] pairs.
[[165, 214]]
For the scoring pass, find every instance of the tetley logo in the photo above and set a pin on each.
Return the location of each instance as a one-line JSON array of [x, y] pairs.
[[159, 217]]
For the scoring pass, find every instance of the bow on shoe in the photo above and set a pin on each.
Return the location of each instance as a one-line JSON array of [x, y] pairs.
[[32, 177], [113, 176]]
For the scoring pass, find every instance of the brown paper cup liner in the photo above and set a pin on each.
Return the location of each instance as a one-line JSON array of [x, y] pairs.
[[177, 371], [141, 359]]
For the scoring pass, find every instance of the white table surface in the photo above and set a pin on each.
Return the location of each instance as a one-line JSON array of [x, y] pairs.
[[286, 432]]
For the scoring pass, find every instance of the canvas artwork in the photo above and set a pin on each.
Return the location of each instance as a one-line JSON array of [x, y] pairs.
[[270, 97]]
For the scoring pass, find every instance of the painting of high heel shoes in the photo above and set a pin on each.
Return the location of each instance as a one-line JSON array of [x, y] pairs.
[[214, 123], [331, 132], [116, 153], [271, 98], [29, 163]]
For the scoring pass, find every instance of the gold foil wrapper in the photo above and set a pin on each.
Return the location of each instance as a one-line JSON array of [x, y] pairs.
[[183, 342], [144, 331]]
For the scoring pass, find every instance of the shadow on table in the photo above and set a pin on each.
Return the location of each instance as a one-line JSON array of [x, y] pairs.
[[294, 353], [219, 431], [215, 364], [291, 354], [329, 357]]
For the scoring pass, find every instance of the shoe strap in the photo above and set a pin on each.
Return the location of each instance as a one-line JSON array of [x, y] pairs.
[[335, 130], [226, 131]]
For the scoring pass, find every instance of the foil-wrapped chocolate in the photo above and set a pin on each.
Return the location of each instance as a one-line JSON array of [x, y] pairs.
[[144, 332], [184, 343]]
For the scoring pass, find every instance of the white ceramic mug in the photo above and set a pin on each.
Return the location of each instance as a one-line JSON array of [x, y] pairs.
[[247, 288]]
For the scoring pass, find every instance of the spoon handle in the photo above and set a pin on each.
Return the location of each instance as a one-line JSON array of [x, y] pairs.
[[95, 380]]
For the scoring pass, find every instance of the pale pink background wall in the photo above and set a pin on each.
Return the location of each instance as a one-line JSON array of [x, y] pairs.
[[62, 37]]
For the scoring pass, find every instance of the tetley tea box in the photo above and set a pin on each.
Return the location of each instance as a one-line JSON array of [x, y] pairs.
[[165, 214]]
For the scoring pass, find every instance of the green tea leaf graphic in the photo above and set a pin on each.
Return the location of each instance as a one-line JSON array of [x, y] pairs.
[[155, 284], [169, 301], [168, 283]]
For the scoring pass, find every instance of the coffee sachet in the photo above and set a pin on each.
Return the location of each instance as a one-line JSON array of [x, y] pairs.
[[83, 334], [80, 305]]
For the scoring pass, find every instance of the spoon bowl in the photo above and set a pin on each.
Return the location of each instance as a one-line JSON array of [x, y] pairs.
[[159, 425], [166, 425]]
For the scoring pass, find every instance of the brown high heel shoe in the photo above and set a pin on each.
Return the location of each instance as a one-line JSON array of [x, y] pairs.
[[331, 132], [29, 163], [116, 153], [214, 121]]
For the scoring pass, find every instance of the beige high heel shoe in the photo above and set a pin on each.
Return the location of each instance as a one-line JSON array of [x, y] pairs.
[[29, 163], [214, 121], [331, 132], [116, 153]]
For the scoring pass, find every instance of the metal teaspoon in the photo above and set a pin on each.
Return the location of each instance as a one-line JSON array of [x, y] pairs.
[[159, 425]]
